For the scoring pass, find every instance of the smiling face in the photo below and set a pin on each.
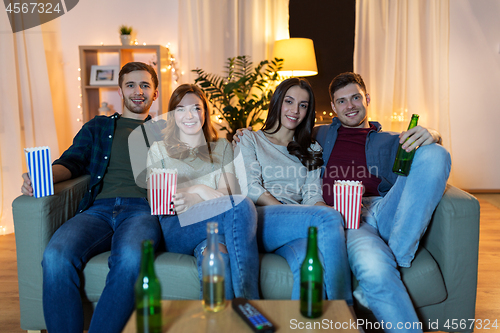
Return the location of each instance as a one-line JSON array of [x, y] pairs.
[[138, 94], [350, 103], [294, 107], [189, 116]]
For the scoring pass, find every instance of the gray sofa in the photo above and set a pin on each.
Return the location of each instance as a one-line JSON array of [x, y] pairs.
[[442, 280]]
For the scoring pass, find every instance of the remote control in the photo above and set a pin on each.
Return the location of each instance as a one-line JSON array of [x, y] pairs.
[[253, 318]]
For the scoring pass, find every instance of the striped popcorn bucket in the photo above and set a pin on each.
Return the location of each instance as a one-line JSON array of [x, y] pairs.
[[40, 171], [347, 201], [162, 187]]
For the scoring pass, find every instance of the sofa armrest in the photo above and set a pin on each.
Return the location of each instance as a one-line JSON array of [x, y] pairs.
[[35, 221], [453, 240]]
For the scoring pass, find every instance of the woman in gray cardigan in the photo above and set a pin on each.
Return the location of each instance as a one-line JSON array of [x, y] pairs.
[[205, 177], [279, 168]]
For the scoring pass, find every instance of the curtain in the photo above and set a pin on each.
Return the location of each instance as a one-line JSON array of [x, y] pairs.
[[401, 50], [212, 31], [26, 111]]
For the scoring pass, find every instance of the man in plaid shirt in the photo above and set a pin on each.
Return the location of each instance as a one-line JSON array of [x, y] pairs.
[[113, 216]]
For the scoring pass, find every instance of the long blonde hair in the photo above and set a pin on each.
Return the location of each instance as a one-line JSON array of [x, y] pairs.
[[177, 148]]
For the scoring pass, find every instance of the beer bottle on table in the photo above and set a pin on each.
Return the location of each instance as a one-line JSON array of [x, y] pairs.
[[212, 268], [403, 160], [311, 279], [148, 293]]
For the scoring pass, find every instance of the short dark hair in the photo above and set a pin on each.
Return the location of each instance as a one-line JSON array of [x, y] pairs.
[[343, 79], [138, 66]]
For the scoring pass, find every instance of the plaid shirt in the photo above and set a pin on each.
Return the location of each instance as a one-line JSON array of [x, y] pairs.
[[90, 153]]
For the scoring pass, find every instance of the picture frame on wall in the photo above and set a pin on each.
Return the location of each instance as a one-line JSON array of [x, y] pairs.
[[104, 75]]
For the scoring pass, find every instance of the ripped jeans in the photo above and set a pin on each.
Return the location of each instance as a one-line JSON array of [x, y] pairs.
[[237, 231]]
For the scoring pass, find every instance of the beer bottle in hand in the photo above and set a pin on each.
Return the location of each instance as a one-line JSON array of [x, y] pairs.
[[148, 293], [212, 268], [403, 160], [311, 279]]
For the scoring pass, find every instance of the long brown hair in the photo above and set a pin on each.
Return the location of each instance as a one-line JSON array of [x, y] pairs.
[[300, 146], [177, 148]]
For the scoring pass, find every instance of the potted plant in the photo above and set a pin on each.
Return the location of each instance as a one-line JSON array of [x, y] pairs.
[[243, 94], [125, 34]]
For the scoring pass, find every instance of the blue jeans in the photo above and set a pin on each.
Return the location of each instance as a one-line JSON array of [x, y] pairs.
[[282, 229], [389, 235], [237, 225], [117, 224]]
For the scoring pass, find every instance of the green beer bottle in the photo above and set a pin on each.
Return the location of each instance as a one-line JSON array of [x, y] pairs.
[[212, 268], [403, 160], [148, 293], [311, 279]]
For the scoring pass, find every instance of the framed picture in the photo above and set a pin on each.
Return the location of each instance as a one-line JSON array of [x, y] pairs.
[[104, 75]]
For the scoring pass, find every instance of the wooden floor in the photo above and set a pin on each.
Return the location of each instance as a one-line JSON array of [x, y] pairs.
[[488, 289]]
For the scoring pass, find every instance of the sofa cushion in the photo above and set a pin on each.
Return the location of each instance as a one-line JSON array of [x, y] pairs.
[[177, 273], [276, 278], [94, 276], [178, 276], [423, 280]]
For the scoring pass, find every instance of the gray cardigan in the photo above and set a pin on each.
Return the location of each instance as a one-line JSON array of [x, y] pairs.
[[263, 166]]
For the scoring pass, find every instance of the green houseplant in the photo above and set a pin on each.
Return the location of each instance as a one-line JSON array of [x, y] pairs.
[[125, 30], [125, 34], [243, 94]]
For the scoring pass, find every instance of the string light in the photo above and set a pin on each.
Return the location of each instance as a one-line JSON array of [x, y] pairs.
[[79, 106], [173, 66], [401, 116]]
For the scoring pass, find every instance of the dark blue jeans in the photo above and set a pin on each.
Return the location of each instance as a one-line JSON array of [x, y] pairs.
[[237, 224], [117, 224]]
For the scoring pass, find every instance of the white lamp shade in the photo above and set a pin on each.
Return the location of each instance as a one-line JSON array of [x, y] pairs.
[[299, 56]]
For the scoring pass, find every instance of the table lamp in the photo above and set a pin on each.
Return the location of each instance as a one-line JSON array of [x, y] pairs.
[[299, 56]]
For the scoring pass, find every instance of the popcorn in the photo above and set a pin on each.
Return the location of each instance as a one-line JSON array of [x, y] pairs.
[[162, 185], [347, 201], [40, 171]]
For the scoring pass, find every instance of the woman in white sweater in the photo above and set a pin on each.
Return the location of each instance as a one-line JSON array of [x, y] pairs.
[[205, 185], [278, 168]]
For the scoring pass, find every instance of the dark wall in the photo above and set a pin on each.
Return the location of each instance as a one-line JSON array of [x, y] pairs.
[[330, 24]]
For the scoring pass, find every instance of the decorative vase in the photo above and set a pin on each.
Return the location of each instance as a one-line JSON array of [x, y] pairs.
[[104, 110], [126, 39]]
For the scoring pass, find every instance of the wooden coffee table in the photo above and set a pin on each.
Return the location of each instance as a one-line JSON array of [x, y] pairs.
[[189, 317]]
